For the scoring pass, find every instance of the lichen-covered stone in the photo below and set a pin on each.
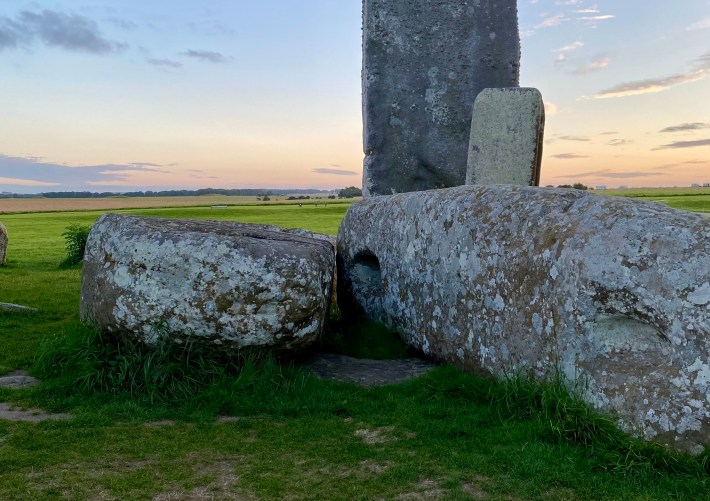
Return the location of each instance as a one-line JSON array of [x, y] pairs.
[[614, 292], [220, 283], [424, 63], [507, 129], [3, 244]]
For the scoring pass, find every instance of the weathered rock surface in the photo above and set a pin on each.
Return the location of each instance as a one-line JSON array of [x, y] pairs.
[[227, 284], [3, 244], [507, 129], [424, 63], [613, 291], [18, 380]]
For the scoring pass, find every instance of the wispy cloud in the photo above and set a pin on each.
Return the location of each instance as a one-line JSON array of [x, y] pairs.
[[168, 63], [551, 21], [337, 172], [620, 142], [700, 71], [609, 133], [604, 17], [55, 29], [686, 127], [550, 109], [574, 138], [206, 55], [684, 144], [703, 24], [596, 64], [680, 164], [36, 171], [611, 174], [569, 156]]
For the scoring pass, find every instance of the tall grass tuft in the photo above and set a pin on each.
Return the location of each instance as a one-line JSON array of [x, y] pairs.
[[75, 236], [563, 416], [165, 373]]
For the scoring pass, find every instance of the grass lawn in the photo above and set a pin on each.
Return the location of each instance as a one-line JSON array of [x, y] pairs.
[[271, 431]]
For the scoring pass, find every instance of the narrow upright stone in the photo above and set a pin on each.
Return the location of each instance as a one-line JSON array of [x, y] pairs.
[[424, 63], [3, 244], [506, 137]]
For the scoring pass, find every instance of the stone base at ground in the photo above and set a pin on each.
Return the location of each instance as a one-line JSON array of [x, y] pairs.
[[614, 292], [223, 284]]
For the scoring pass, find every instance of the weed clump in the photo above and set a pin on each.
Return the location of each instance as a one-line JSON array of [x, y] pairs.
[[167, 372], [75, 236]]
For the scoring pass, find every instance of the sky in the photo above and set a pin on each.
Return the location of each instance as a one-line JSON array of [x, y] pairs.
[[100, 95]]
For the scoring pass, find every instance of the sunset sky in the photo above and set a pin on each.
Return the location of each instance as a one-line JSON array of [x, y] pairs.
[[102, 95]]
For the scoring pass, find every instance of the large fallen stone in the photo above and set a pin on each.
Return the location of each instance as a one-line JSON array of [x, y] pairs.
[[507, 128], [3, 244], [424, 63], [222, 283], [614, 292]]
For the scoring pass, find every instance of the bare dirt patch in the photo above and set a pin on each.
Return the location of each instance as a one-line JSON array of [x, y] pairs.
[[11, 413], [377, 436]]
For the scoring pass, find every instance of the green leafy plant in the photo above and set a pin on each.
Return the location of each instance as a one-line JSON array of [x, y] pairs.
[[75, 236]]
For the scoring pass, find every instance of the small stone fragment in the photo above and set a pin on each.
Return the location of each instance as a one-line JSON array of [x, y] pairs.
[[18, 380], [506, 137]]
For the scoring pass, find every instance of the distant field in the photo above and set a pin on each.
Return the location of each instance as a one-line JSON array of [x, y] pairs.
[[690, 199], [8, 205]]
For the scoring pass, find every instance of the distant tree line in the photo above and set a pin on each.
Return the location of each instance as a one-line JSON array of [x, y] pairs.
[[350, 192], [166, 193], [576, 186]]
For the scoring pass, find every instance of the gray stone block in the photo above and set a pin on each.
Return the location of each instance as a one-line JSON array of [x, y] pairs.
[[506, 137], [221, 284], [613, 292], [424, 63], [3, 243]]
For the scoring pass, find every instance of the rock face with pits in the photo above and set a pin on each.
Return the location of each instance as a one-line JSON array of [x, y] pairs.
[[224, 284], [612, 292]]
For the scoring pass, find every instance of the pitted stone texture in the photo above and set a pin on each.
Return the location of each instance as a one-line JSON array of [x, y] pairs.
[[3, 244], [424, 63], [613, 291], [506, 137], [225, 284]]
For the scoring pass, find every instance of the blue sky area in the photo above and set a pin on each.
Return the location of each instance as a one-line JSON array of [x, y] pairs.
[[114, 96]]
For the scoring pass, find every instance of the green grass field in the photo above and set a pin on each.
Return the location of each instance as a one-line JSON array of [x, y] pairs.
[[448, 435]]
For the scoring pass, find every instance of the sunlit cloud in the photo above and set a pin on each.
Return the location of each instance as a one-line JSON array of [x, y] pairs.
[[595, 64], [620, 142], [550, 109], [610, 174], [25, 182], [574, 138], [605, 17], [337, 172], [52, 174], [569, 156], [686, 127], [684, 144], [551, 21]]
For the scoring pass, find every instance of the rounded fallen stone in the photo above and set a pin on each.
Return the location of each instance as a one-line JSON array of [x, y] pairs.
[[222, 284], [366, 372], [18, 380]]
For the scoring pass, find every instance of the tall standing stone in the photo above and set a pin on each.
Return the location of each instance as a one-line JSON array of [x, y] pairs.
[[3, 244], [506, 137], [424, 63]]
